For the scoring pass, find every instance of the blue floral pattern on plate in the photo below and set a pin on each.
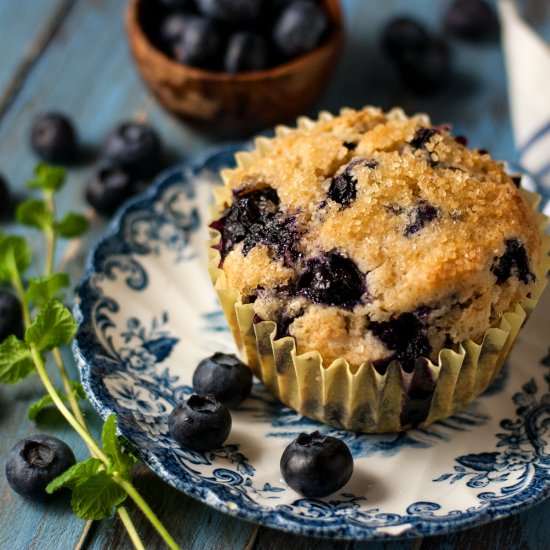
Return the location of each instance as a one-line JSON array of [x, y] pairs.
[[147, 314]]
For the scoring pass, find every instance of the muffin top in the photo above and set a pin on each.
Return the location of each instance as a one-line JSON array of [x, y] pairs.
[[375, 237]]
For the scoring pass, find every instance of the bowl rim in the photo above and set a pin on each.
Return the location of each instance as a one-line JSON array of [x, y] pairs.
[[333, 41]]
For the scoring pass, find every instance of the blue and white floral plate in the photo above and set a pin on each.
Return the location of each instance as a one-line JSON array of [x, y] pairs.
[[148, 314]]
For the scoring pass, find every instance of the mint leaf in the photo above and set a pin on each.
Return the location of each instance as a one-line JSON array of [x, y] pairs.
[[72, 225], [15, 256], [38, 405], [76, 474], [47, 177], [54, 326], [34, 213], [15, 360], [96, 497], [121, 462], [42, 289], [46, 400]]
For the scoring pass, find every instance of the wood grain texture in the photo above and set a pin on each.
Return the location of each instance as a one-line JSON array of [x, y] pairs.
[[86, 71]]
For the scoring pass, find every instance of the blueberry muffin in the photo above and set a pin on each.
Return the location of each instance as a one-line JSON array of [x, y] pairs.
[[369, 265]]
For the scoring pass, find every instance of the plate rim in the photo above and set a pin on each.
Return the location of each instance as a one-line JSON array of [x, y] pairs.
[[440, 525]]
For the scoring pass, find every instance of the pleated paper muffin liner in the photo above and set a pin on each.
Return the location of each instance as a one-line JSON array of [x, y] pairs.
[[360, 398]]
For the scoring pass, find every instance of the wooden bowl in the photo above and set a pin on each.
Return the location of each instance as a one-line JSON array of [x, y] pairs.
[[235, 104]]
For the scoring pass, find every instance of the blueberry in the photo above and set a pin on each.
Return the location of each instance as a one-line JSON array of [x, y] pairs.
[[231, 10], [403, 34], [426, 70], [200, 423], [422, 136], [173, 27], [254, 218], [5, 196], [11, 315], [246, 51], [332, 280], [422, 214], [343, 187], [109, 188], [133, 146], [53, 138], [34, 462], [225, 377], [316, 465], [471, 20], [178, 4], [299, 28], [405, 337], [514, 262], [200, 45]]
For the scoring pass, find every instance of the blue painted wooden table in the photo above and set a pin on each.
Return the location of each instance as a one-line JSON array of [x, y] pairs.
[[71, 55]]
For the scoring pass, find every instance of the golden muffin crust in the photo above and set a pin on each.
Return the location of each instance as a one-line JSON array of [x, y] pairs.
[[374, 237]]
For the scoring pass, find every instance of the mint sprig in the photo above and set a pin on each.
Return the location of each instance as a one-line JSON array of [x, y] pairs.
[[102, 483]]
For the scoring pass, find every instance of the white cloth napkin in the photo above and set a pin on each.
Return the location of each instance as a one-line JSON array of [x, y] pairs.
[[528, 67]]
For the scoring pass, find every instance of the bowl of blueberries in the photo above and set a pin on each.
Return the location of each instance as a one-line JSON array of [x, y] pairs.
[[235, 66]]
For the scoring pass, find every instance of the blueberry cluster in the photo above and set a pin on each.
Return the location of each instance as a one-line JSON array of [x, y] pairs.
[[130, 153], [422, 59], [314, 465], [236, 35]]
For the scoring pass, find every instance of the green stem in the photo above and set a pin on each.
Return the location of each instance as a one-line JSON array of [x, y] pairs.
[[144, 507], [130, 528], [50, 235]]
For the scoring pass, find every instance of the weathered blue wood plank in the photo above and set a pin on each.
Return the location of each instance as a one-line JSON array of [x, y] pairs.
[[24, 25], [87, 72]]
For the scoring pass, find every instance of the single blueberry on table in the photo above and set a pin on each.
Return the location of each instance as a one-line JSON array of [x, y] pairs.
[[405, 337], [299, 28], [201, 423], [343, 187], [472, 20], [332, 280], [36, 461], [11, 315], [316, 465], [514, 262], [54, 139], [231, 10], [246, 51], [200, 45], [224, 376], [134, 146], [422, 214], [403, 34], [109, 188]]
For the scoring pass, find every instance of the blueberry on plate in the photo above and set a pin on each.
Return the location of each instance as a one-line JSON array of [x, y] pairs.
[[201, 423], [53, 138], [246, 51], [231, 10], [224, 376], [109, 187], [200, 45], [471, 20], [300, 27], [316, 465], [134, 146], [5, 196], [11, 315], [36, 461]]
